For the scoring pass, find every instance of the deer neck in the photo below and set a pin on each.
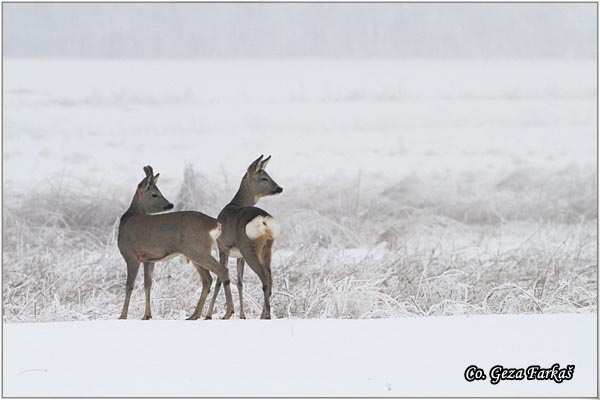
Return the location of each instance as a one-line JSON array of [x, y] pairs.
[[244, 196], [135, 207]]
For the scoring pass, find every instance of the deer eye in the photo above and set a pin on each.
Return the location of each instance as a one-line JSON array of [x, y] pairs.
[[263, 179], [154, 195]]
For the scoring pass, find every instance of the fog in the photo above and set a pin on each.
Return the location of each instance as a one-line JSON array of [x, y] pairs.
[[299, 30]]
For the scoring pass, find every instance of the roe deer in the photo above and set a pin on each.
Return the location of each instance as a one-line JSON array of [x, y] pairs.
[[146, 238], [249, 232]]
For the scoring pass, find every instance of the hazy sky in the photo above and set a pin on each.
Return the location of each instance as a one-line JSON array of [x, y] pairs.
[[299, 30]]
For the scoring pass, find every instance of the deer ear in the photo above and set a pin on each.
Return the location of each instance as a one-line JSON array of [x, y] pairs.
[[148, 182], [148, 170], [264, 162], [144, 185], [155, 179], [255, 166]]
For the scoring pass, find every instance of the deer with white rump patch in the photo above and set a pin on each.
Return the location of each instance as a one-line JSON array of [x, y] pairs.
[[147, 237], [249, 232]]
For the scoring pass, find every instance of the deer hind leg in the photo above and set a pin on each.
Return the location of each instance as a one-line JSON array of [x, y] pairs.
[[148, 272], [251, 253], [266, 263], [223, 258], [240, 285], [206, 283], [207, 261], [133, 266]]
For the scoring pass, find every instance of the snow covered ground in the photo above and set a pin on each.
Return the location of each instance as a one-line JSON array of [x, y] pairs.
[[384, 357], [101, 120]]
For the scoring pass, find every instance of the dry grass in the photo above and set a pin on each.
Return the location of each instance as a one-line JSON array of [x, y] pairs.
[[524, 242]]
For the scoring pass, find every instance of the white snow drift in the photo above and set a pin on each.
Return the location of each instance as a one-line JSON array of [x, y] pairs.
[[387, 357]]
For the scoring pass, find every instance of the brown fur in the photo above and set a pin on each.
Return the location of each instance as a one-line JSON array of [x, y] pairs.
[[145, 238], [255, 184]]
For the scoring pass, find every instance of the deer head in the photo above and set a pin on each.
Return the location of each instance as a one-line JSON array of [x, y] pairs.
[[258, 180], [148, 199]]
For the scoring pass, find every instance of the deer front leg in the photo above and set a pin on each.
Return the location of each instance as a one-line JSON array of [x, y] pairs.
[[206, 282], [223, 258], [148, 272], [240, 285], [133, 266]]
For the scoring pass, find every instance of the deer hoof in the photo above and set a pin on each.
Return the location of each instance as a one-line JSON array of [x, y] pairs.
[[192, 318], [242, 316], [208, 317], [228, 315], [146, 317]]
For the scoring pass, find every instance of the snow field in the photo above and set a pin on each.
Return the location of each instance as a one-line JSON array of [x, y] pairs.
[[385, 357]]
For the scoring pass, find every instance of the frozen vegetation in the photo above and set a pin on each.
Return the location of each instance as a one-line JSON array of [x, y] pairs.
[[411, 188]]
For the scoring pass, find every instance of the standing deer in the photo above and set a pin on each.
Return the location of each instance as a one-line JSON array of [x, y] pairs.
[[249, 232], [147, 238]]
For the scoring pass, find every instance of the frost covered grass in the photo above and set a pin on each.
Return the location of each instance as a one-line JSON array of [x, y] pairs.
[[519, 242], [411, 187]]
